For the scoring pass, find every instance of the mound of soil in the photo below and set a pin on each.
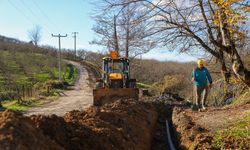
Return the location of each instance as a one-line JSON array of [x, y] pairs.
[[124, 124], [18, 132], [196, 129], [189, 134]]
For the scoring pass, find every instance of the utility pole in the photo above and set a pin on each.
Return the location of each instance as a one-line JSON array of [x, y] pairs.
[[59, 54], [74, 36]]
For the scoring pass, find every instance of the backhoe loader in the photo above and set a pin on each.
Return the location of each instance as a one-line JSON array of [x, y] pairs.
[[115, 82]]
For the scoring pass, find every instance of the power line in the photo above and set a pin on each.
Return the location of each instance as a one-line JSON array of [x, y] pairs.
[[24, 15], [74, 36], [33, 13], [30, 10], [59, 54], [45, 15]]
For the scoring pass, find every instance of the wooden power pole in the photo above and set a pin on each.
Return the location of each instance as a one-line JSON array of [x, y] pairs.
[[59, 54], [74, 36]]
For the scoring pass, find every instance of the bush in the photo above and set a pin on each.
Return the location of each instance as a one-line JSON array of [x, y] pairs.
[[70, 74], [52, 92], [151, 71], [54, 84], [173, 84], [7, 95]]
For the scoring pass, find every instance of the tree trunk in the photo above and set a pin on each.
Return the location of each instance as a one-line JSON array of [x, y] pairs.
[[127, 41], [115, 36], [239, 69], [225, 74], [237, 65], [224, 71], [127, 33]]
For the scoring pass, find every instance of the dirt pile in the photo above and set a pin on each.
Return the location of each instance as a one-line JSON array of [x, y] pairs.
[[189, 134], [216, 128], [125, 124], [18, 132]]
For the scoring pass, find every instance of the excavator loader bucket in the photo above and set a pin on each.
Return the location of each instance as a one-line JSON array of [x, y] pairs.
[[109, 95]]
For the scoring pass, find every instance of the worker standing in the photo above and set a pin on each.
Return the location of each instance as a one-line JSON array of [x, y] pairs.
[[200, 76]]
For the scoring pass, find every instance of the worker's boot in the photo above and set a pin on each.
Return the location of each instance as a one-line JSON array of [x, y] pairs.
[[203, 108], [194, 107]]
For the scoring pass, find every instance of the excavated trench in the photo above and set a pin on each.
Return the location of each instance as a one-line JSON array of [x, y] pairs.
[[165, 106], [124, 124]]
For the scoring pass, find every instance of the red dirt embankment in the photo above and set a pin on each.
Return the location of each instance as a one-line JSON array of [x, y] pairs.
[[196, 130], [190, 135], [125, 124], [18, 132]]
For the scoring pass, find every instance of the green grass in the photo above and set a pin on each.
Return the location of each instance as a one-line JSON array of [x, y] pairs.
[[235, 137], [27, 104], [18, 69], [26, 68], [13, 105], [143, 85]]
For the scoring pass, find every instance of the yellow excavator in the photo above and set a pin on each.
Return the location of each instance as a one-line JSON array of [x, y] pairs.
[[115, 83]]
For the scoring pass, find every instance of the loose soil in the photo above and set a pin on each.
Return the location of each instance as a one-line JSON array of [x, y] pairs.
[[19, 133], [219, 118], [195, 129], [124, 124]]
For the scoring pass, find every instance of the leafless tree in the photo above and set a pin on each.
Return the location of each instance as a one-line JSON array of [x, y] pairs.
[[188, 25], [124, 29], [35, 34]]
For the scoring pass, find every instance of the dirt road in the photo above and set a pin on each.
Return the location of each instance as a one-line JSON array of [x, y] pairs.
[[78, 98]]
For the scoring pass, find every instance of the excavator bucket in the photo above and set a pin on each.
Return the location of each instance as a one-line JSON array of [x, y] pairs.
[[109, 95]]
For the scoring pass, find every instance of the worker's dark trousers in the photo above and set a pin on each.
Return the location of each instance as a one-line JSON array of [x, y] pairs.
[[201, 95]]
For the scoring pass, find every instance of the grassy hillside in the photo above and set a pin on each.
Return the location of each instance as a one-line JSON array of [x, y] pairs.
[[25, 68], [18, 69]]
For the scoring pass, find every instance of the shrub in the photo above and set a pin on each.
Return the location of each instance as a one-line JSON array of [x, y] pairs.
[[7, 95], [170, 83], [54, 84]]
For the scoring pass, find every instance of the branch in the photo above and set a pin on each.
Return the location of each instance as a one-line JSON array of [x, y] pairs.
[[209, 30]]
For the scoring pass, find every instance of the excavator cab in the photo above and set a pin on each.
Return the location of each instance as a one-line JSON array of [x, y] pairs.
[[116, 73], [116, 82]]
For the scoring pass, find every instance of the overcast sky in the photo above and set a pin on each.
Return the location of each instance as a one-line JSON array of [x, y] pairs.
[[64, 17]]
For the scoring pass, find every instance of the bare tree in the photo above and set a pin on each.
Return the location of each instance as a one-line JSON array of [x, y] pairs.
[[188, 25], [123, 29], [35, 34]]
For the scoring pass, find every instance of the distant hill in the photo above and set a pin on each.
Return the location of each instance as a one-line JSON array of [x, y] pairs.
[[8, 39]]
